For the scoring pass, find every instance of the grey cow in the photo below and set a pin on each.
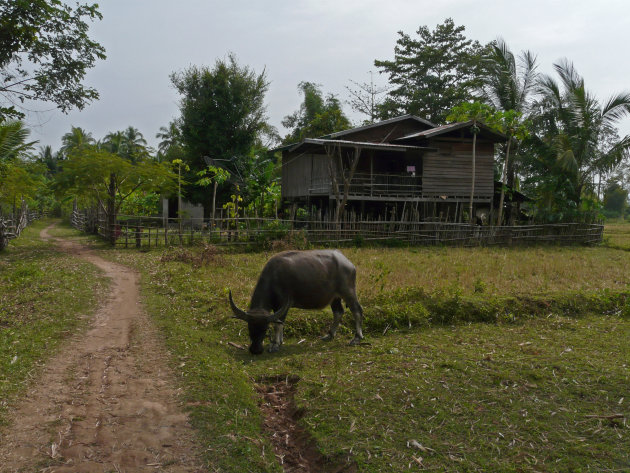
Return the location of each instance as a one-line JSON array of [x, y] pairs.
[[306, 280]]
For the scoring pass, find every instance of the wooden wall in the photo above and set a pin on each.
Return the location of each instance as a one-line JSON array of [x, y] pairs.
[[449, 171], [305, 174]]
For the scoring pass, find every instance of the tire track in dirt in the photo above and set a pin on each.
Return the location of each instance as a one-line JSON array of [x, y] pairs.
[[106, 401]]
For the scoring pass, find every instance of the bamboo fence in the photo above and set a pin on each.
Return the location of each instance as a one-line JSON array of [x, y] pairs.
[[11, 226], [139, 232]]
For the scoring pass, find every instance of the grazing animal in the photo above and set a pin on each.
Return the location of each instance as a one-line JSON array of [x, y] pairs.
[[306, 280]]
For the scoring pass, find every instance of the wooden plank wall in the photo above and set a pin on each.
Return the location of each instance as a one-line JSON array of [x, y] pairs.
[[449, 171], [296, 174]]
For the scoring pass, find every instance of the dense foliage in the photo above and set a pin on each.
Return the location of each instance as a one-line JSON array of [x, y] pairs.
[[45, 53], [432, 72]]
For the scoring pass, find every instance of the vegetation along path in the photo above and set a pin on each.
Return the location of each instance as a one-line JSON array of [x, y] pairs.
[[106, 401]]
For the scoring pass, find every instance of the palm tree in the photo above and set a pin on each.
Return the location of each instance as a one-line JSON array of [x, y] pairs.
[[508, 86], [169, 136], [13, 136], [114, 142], [576, 129], [75, 140], [135, 144]]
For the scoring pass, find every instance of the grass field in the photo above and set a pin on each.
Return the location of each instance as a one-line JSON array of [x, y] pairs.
[[540, 386], [44, 295], [533, 390]]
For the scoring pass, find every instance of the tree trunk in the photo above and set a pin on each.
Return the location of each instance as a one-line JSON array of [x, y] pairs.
[[503, 181], [214, 203], [111, 209], [472, 184]]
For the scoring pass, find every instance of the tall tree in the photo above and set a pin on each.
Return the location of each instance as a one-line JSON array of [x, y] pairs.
[[317, 115], [509, 85], [170, 145], [222, 115], [571, 132], [45, 53], [432, 73]]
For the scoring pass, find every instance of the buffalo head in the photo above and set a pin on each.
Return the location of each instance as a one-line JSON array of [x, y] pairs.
[[258, 321]]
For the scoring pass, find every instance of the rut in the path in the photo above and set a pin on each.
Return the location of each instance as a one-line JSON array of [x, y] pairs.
[[105, 402]]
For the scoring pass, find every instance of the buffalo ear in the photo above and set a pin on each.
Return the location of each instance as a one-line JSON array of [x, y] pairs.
[[238, 313]]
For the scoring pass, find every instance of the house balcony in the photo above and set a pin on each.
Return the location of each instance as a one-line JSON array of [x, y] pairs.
[[373, 186]]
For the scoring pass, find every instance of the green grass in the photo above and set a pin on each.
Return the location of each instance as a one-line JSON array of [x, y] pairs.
[[44, 296], [617, 234], [510, 395]]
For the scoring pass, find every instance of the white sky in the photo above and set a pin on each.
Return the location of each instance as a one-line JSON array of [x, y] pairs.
[[323, 41]]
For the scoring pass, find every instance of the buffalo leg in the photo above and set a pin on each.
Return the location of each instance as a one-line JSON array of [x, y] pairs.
[[357, 311], [337, 309], [278, 337]]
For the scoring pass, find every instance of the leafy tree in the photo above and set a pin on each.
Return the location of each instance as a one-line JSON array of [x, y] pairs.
[[222, 115], [432, 73], [615, 198], [317, 116], [109, 180], [45, 53], [213, 175]]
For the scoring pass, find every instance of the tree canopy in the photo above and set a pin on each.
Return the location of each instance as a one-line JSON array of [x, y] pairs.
[[431, 73], [45, 52], [222, 110], [317, 116]]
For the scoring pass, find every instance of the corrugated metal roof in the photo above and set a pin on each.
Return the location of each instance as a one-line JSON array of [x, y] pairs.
[[358, 144], [381, 123], [440, 130]]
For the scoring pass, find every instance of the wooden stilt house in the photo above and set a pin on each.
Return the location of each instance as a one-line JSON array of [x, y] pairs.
[[383, 167]]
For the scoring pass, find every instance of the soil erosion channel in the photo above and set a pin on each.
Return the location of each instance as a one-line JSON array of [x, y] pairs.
[[106, 401]]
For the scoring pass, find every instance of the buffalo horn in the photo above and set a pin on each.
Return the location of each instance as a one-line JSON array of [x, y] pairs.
[[238, 313]]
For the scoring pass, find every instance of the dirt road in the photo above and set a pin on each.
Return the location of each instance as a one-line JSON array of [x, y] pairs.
[[106, 402]]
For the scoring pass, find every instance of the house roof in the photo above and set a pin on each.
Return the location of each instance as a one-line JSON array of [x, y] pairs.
[[445, 129], [316, 142], [358, 129], [381, 123]]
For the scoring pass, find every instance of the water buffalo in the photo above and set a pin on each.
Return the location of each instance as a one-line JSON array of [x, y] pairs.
[[306, 280]]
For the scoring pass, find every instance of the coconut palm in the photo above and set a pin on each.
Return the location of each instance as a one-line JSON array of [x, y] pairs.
[[13, 136], [75, 140], [135, 144], [578, 127], [508, 86], [169, 136]]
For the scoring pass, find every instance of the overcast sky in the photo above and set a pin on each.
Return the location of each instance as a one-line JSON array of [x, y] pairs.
[[329, 42]]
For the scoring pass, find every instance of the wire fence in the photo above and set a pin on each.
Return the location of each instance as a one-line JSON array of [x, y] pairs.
[[141, 232]]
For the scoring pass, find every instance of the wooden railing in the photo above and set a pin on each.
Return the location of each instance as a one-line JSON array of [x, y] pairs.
[[374, 185]]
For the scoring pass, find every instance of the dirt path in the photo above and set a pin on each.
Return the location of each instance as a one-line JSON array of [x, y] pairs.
[[105, 402]]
